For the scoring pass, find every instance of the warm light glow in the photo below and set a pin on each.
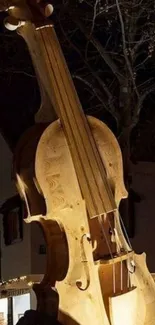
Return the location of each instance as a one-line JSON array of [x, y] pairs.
[[10, 8], [123, 308], [21, 278], [30, 283]]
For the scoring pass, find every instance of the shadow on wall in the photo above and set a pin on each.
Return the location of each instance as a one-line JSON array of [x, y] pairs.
[[144, 185]]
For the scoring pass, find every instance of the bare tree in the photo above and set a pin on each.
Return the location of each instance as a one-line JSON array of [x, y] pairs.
[[113, 45], [114, 40]]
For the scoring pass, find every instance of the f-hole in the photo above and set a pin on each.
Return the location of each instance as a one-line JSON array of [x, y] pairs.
[[49, 237]]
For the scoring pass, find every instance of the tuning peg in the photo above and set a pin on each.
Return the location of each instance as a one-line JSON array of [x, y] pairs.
[[12, 23], [10, 8], [46, 9]]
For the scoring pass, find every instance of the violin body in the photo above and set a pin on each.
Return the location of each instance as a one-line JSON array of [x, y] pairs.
[[70, 175], [66, 219], [53, 159], [67, 207]]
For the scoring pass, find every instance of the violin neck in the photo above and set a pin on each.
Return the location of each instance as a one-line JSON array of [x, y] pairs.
[[46, 113], [57, 81]]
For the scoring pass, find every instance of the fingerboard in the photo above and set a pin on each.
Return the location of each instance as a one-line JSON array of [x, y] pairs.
[[57, 80]]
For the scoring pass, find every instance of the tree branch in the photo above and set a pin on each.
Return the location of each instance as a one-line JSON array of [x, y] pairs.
[[95, 75], [100, 49], [140, 103], [98, 95], [125, 49]]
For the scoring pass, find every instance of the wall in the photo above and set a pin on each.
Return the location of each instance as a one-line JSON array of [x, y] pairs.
[[20, 305], [33, 301], [38, 260], [21, 258], [15, 258], [144, 185], [4, 310]]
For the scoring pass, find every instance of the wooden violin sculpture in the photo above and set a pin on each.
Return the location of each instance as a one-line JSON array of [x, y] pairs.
[[70, 175]]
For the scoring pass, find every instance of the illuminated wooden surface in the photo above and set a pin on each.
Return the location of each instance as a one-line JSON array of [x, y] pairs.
[[78, 169], [123, 308]]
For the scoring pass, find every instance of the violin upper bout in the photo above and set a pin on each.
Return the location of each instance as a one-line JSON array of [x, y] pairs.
[[111, 157], [55, 171]]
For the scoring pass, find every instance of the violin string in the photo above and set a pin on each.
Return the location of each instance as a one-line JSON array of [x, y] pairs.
[[119, 252], [121, 275], [76, 122], [129, 243], [110, 251], [113, 232], [119, 247], [123, 226], [128, 280], [102, 227]]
